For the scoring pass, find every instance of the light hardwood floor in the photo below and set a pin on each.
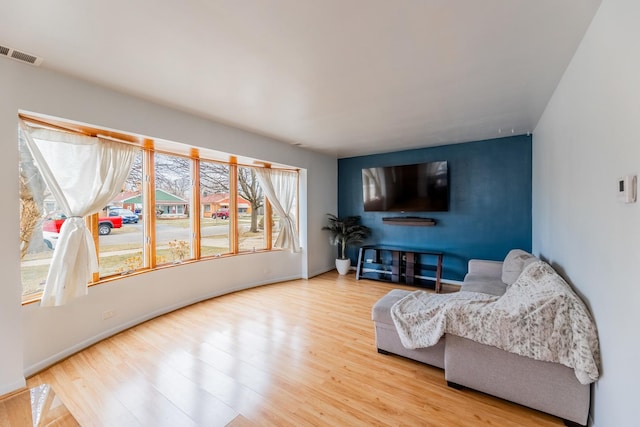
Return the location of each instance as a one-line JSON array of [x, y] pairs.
[[300, 353]]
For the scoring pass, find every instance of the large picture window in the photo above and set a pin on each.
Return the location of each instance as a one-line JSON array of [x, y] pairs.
[[215, 216], [171, 205], [250, 197], [173, 208], [120, 231]]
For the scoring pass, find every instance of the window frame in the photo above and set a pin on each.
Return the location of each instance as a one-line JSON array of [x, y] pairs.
[[149, 147]]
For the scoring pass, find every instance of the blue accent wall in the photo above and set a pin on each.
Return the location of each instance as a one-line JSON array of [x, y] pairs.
[[489, 201]]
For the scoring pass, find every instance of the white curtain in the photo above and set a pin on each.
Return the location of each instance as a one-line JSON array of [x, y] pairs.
[[84, 174], [281, 188]]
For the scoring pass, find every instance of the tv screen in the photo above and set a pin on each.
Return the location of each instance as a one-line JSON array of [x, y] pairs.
[[421, 187]]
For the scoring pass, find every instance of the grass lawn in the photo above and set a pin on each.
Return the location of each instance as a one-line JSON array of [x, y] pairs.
[[34, 276]]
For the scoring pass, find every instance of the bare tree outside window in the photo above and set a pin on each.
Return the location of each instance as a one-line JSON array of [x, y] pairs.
[[250, 190], [32, 192], [36, 246], [251, 235], [214, 177]]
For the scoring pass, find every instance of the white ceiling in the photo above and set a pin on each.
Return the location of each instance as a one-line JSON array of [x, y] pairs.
[[345, 77]]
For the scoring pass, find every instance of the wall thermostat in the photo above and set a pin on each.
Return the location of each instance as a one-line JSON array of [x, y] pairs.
[[627, 188]]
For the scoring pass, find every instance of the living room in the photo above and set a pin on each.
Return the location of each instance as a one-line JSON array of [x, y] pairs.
[[585, 139]]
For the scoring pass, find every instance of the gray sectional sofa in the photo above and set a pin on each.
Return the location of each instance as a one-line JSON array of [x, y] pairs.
[[549, 387]]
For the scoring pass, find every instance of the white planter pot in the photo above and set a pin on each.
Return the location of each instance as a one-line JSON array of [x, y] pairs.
[[342, 265]]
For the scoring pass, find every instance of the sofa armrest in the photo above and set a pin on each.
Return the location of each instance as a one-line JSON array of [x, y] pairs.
[[483, 267]]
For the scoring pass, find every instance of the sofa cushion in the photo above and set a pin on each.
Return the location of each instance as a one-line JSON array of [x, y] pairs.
[[515, 261], [382, 309], [483, 284]]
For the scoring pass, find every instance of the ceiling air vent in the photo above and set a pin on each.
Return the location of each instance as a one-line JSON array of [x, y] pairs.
[[20, 56]]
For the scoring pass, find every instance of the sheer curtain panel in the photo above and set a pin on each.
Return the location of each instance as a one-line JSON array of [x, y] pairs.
[[281, 187], [84, 173]]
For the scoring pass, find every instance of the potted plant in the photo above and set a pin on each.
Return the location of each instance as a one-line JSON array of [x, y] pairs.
[[343, 232]]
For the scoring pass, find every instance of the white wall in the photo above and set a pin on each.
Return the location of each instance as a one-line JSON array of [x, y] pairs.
[[11, 376], [589, 135], [33, 337]]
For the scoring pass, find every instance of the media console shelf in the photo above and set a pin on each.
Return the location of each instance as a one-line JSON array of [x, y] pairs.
[[398, 264], [408, 220]]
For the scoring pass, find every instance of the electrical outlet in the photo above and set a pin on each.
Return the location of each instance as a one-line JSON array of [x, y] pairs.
[[108, 314]]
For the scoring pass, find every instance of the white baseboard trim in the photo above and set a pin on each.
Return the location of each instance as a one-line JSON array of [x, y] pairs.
[[16, 385], [322, 271], [49, 361]]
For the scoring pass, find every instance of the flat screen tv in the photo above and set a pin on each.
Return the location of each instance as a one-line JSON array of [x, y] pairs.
[[422, 187]]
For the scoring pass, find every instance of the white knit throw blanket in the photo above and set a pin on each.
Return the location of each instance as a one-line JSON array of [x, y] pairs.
[[539, 317]]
